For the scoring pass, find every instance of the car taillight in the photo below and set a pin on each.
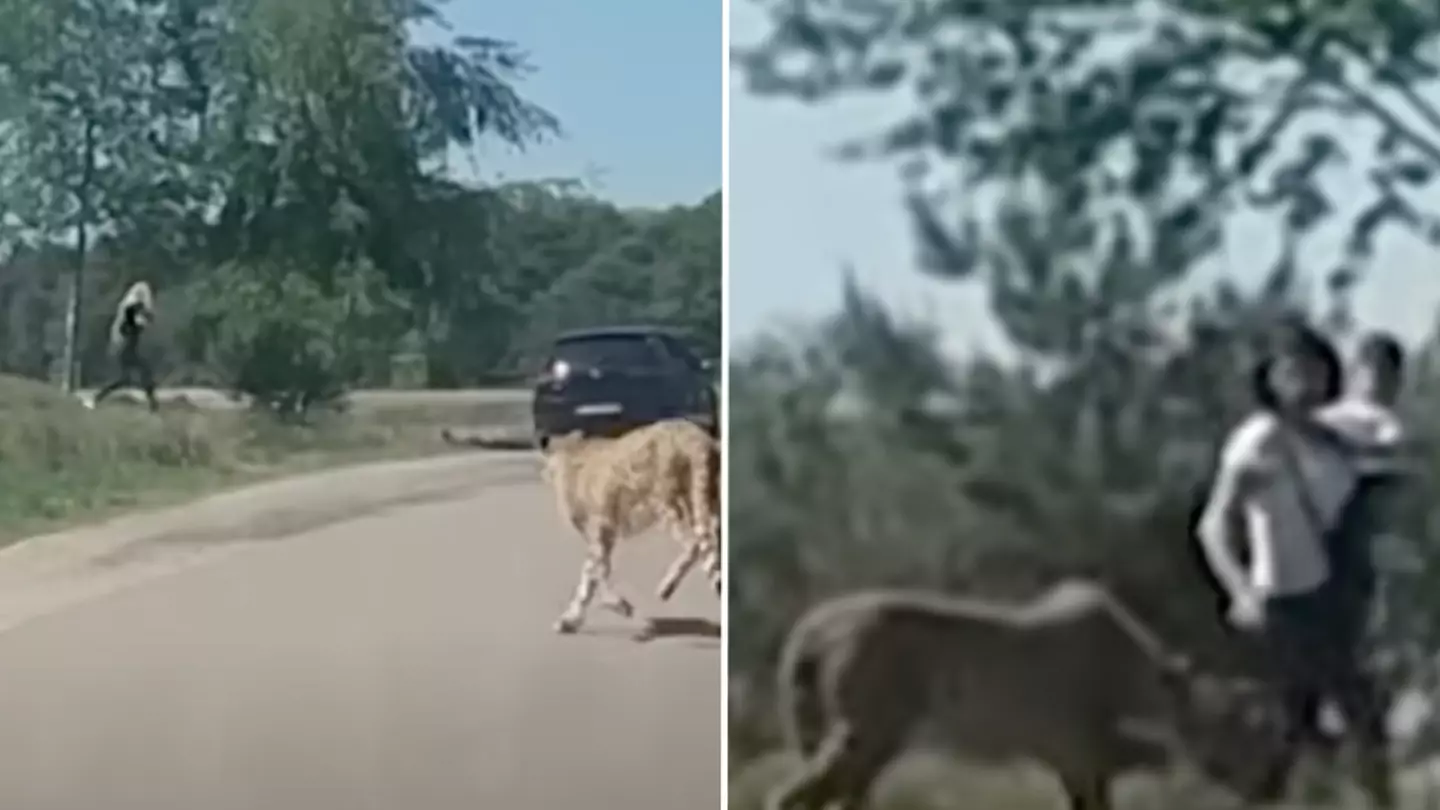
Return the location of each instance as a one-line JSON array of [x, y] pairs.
[[555, 374]]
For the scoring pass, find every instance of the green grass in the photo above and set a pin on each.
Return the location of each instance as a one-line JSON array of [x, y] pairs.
[[61, 464]]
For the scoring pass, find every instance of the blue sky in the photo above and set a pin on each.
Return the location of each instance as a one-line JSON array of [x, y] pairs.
[[797, 217], [637, 85]]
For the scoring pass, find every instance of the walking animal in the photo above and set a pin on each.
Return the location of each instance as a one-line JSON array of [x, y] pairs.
[[609, 489], [132, 317], [1072, 681]]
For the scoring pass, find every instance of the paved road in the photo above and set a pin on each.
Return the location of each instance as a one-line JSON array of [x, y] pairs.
[[400, 661]]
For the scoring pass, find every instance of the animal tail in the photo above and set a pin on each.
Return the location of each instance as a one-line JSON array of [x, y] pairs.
[[798, 698]]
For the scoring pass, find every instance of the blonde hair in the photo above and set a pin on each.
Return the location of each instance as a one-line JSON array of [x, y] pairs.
[[139, 293]]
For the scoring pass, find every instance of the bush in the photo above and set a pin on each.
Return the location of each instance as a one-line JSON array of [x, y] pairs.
[[861, 457], [273, 335]]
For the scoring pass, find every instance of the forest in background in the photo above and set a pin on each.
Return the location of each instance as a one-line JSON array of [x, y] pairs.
[[280, 172], [1080, 169]]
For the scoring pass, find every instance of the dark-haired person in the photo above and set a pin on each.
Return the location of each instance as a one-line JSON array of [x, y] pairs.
[[1366, 423], [1281, 485]]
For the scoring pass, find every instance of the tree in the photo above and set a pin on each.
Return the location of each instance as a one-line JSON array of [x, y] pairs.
[[531, 234], [208, 131], [1080, 164], [260, 148], [79, 89], [1203, 109], [365, 113], [662, 267]]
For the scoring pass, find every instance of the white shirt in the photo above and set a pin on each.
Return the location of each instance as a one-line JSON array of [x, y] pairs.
[[1373, 429], [1287, 549]]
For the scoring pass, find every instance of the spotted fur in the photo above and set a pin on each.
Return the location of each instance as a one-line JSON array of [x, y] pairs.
[[1072, 681], [608, 489]]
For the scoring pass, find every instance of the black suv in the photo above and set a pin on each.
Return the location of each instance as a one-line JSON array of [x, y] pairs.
[[609, 380]]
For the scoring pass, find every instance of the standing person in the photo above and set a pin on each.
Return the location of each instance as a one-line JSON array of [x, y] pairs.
[[1365, 422], [132, 317], [1283, 487]]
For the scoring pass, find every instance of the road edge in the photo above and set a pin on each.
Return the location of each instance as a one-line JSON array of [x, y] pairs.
[[47, 573]]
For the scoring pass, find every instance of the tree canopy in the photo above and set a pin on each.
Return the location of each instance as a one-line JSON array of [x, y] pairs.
[[1168, 116], [268, 163]]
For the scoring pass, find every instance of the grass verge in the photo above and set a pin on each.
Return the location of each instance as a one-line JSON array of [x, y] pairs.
[[62, 464]]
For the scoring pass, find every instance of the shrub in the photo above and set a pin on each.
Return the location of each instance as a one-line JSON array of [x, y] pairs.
[[273, 335]]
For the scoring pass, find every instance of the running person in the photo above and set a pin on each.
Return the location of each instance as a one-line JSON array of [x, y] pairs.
[[132, 317]]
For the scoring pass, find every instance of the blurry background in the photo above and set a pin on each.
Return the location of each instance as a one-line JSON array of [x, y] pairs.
[[997, 271]]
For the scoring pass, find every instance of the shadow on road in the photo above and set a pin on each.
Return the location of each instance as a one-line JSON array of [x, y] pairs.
[[662, 627], [679, 627]]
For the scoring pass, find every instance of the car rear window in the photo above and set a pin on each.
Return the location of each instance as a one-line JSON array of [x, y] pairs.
[[607, 352]]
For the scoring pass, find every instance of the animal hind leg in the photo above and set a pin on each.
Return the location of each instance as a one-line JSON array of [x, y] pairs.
[[712, 565], [610, 597], [839, 773], [689, 555], [1087, 792], [675, 523], [853, 785]]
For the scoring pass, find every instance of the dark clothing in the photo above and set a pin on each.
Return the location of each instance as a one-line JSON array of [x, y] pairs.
[[1316, 642], [1349, 546], [135, 370], [130, 328]]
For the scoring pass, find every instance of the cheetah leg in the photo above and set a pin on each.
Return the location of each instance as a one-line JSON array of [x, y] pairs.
[[712, 566], [593, 574], [838, 775], [677, 571], [677, 525], [611, 598]]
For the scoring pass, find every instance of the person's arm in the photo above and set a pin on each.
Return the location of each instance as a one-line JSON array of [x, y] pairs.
[[139, 315], [1240, 473], [1218, 525]]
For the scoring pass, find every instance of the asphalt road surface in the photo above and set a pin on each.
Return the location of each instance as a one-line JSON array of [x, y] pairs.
[[399, 661]]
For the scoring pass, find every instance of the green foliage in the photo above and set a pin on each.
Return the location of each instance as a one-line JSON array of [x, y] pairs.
[[163, 139], [270, 333], [860, 457], [1186, 112], [63, 463], [662, 268], [1076, 164]]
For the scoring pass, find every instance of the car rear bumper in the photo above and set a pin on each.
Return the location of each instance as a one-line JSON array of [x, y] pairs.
[[561, 419]]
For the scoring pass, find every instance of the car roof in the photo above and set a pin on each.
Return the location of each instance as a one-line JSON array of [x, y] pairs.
[[619, 331]]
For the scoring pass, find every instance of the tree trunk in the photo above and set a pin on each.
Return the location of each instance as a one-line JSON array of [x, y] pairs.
[[73, 309], [72, 331]]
